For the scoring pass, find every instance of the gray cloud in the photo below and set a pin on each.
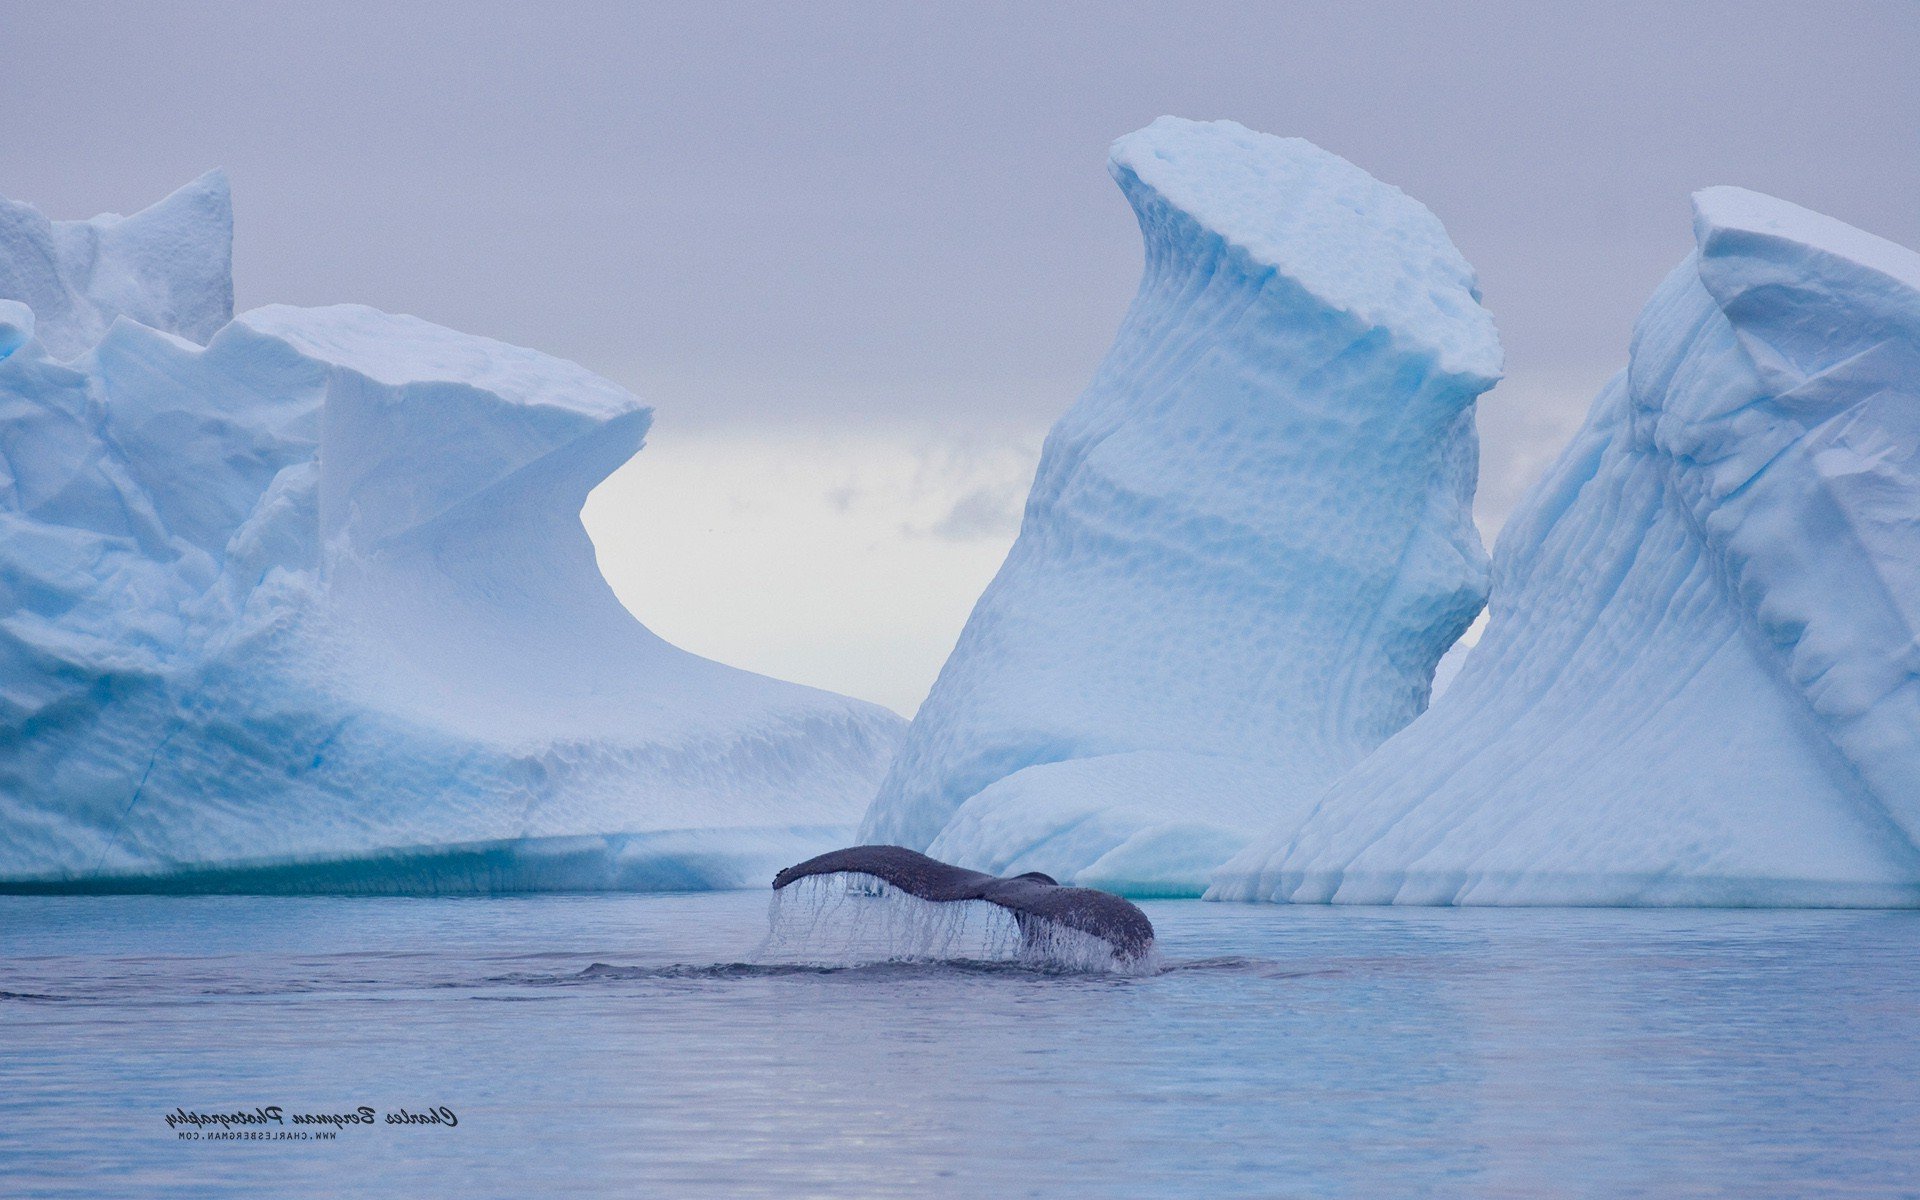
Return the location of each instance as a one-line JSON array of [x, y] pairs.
[[865, 211], [987, 512]]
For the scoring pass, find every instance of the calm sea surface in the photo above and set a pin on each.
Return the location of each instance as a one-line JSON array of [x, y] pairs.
[[612, 1045]]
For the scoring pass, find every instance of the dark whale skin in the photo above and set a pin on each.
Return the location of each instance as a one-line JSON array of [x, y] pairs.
[[1100, 914]]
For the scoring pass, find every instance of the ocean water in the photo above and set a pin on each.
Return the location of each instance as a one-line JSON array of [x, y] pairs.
[[620, 1046]]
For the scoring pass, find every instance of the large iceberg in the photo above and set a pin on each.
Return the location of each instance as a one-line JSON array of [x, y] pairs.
[[311, 607], [1700, 683], [1247, 543]]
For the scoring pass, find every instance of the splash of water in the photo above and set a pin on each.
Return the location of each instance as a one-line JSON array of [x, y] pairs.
[[848, 918]]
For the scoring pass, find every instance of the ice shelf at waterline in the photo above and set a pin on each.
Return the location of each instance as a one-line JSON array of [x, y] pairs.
[[1247, 544], [311, 606], [1700, 683]]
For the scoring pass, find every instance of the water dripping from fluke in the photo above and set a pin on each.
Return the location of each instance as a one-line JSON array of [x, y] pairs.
[[891, 904]]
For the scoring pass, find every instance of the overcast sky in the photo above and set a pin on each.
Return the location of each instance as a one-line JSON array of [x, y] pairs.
[[860, 256]]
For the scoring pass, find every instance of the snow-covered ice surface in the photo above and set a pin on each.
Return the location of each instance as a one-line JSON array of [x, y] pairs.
[[311, 607], [1247, 543], [169, 266], [1700, 683]]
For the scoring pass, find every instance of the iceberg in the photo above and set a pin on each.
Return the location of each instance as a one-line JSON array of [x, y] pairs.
[[1700, 680], [310, 607], [1246, 546]]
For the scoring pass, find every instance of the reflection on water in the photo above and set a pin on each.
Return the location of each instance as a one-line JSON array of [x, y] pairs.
[[620, 1045]]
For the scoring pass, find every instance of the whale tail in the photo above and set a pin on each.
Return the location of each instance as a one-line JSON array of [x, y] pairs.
[[889, 902]]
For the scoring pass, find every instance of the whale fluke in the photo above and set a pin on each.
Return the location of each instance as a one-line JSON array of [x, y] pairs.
[[1031, 898]]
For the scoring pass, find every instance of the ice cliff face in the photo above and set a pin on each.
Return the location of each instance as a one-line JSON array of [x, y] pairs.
[[1247, 543], [1701, 679], [311, 606]]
